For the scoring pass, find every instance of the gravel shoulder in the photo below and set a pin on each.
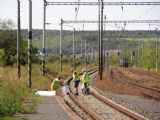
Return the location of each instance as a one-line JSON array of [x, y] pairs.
[[147, 107]]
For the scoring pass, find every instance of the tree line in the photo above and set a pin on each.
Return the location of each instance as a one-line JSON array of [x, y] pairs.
[[8, 45]]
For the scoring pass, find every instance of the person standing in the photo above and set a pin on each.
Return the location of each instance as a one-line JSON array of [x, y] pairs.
[[85, 81], [76, 79]]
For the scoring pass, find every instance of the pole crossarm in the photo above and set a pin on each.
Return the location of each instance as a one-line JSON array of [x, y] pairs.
[[105, 3], [111, 21]]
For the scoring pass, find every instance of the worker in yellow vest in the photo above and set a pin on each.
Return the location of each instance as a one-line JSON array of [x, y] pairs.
[[85, 81], [55, 85], [76, 79]]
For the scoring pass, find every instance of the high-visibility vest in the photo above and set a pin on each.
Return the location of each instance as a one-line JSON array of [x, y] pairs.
[[85, 78], [76, 78], [55, 85]]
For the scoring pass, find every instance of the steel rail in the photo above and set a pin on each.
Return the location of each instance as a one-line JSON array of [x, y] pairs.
[[81, 105], [109, 102], [154, 90], [142, 72], [118, 107], [150, 88], [85, 108]]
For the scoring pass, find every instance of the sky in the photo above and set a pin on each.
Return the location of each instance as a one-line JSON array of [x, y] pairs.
[[8, 10]]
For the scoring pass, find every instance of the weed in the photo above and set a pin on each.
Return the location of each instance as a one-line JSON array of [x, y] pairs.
[[9, 118]]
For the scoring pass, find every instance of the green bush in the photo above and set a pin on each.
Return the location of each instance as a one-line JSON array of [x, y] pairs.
[[114, 60], [6, 59], [12, 99], [10, 118], [9, 102], [52, 59], [2, 55]]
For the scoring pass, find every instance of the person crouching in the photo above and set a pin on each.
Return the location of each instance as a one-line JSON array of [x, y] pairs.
[[55, 85]]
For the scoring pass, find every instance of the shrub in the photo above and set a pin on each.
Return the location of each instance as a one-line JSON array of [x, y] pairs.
[[2, 55], [9, 118], [12, 98], [10, 101]]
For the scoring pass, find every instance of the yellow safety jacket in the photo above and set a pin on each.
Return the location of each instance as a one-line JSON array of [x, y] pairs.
[[55, 84], [76, 78], [85, 77]]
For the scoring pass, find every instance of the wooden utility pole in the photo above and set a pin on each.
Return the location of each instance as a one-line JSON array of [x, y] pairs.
[[148, 53], [74, 65], [85, 53], [44, 30], [142, 50], [101, 42], [104, 52], [156, 49], [138, 54], [60, 50], [30, 44], [131, 53], [81, 51], [99, 27], [82, 46], [18, 41]]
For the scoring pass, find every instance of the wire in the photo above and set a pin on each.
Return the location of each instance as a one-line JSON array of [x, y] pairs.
[[76, 11], [56, 14], [154, 26], [71, 26], [117, 26], [121, 14], [114, 26], [145, 12]]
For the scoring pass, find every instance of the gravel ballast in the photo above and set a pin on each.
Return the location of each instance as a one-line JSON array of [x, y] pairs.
[[149, 108]]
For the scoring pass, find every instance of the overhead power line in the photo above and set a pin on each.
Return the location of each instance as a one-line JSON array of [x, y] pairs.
[[105, 3], [112, 21], [145, 12]]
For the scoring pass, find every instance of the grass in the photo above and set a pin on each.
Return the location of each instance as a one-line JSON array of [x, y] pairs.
[[15, 91], [54, 69], [53, 66], [10, 118]]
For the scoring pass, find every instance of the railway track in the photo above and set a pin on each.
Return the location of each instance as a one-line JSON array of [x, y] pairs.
[[100, 108], [148, 91], [144, 73]]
